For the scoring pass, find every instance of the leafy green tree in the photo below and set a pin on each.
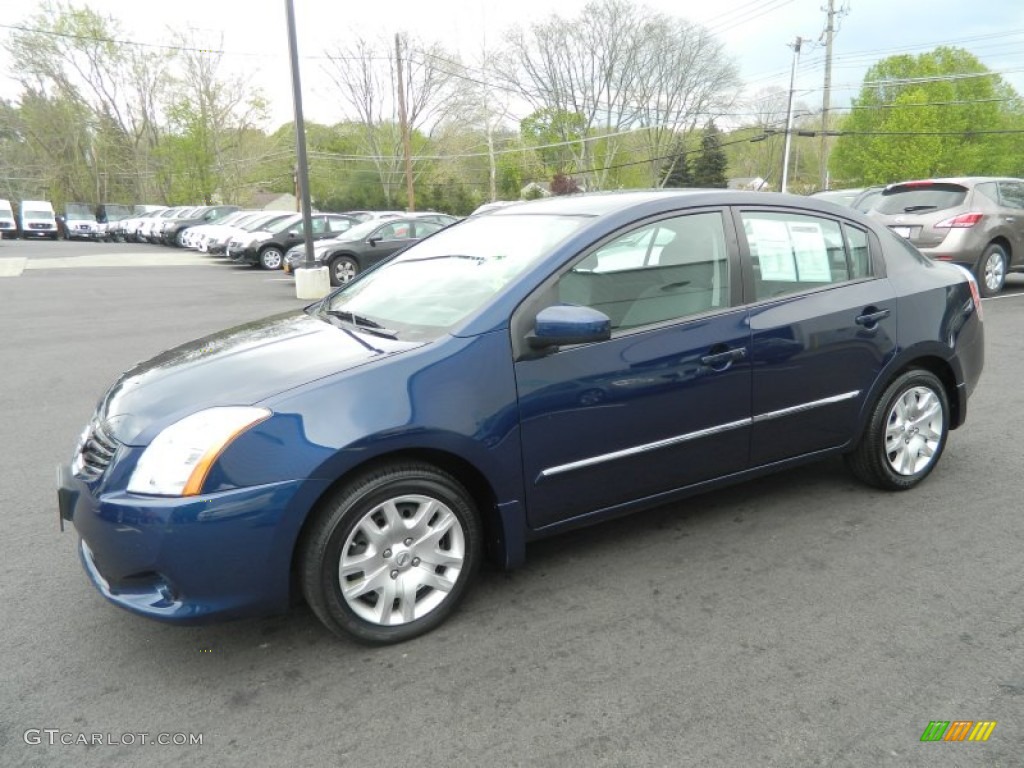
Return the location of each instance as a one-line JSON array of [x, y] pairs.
[[929, 115], [549, 126], [709, 167]]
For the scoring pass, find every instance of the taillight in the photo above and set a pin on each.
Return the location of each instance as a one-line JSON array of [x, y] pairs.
[[963, 221], [975, 293]]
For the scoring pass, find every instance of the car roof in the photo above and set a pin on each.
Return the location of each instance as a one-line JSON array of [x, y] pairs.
[[599, 204]]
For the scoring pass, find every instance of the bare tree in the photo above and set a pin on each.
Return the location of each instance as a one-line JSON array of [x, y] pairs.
[[76, 55], [215, 113], [618, 67], [364, 73]]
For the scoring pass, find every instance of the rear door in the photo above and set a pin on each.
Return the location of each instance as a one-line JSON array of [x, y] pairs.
[[823, 322]]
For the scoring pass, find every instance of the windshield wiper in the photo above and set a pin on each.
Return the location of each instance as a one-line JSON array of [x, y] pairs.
[[913, 208], [363, 323]]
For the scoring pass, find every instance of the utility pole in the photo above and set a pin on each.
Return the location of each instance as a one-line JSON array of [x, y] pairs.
[[409, 194], [829, 32], [310, 282], [789, 112]]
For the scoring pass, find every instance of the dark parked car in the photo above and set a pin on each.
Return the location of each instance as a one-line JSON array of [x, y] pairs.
[[543, 367], [975, 222], [267, 247], [172, 230], [364, 245]]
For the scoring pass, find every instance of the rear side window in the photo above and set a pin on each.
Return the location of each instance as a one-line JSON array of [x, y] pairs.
[[1012, 194], [921, 198], [860, 255], [791, 253]]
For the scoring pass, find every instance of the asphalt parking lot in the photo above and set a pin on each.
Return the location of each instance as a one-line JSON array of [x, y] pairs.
[[798, 620]]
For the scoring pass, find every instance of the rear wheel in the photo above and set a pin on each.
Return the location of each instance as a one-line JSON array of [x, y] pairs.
[[992, 270], [390, 556], [905, 435], [343, 269]]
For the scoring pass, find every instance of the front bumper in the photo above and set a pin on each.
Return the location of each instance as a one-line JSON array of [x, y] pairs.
[[247, 255], [182, 560]]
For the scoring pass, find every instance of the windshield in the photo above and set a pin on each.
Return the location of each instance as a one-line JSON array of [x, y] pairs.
[[263, 222], [359, 231], [431, 286], [284, 224], [35, 214]]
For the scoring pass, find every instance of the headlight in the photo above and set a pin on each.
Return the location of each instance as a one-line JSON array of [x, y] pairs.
[[179, 458]]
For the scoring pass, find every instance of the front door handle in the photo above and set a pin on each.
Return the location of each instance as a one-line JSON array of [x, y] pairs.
[[722, 360], [870, 319]]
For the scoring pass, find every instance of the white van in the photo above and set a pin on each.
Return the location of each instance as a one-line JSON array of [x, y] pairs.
[[80, 222], [37, 219], [7, 226]]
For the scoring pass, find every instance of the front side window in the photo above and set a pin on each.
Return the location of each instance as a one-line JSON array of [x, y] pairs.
[[667, 270], [792, 252], [397, 230], [339, 225]]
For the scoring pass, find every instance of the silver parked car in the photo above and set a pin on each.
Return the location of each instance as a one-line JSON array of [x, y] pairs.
[[977, 222]]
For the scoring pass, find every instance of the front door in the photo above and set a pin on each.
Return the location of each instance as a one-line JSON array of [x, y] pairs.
[[664, 403]]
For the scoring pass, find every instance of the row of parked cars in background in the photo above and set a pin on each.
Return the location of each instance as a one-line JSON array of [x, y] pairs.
[[974, 221], [347, 243]]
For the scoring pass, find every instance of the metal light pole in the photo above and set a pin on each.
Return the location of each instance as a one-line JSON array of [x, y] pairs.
[[302, 169], [789, 113]]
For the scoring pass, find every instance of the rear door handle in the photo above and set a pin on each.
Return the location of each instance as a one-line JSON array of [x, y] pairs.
[[721, 360], [870, 319]]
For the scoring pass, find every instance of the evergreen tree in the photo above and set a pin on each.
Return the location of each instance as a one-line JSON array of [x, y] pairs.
[[676, 170], [710, 165]]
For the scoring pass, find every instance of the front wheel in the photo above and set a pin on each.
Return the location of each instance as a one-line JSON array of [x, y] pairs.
[[271, 258], [343, 269], [390, 556], [905, 435], [992, 270]]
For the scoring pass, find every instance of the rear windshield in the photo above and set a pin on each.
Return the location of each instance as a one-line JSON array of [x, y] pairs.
[[921, 198]]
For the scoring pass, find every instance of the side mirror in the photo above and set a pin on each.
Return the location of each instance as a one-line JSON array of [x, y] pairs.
[[374, 240], [569, 324], [293, 233]]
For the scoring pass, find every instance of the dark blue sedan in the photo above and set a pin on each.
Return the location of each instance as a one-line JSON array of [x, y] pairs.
[[546, 366]]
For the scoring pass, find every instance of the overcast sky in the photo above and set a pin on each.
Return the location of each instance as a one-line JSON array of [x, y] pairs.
[[755, 34]]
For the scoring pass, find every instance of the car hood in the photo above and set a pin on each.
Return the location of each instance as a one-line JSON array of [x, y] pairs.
[[238, 366]]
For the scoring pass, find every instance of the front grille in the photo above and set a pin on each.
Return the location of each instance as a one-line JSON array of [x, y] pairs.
[[95, 452], [34, 225]]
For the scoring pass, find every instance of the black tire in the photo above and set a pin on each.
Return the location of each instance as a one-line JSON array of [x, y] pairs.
[[900, 445], [405, 554], [991, 271], [271, 257], [343, 269]]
